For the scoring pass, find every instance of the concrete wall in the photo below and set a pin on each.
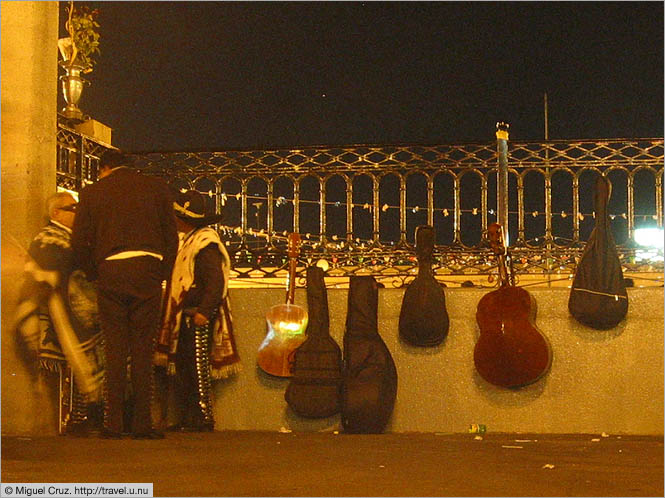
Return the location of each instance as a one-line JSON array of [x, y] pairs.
[[29, 99], [609, 381]]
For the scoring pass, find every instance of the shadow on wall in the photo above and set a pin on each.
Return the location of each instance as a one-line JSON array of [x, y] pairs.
[[588, 334]]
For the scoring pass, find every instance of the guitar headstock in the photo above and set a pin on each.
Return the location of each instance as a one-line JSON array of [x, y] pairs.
[[294, 245], [425, 240], [495, 236]]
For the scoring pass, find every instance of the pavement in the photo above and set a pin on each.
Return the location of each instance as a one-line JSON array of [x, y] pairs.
[[247, 463]]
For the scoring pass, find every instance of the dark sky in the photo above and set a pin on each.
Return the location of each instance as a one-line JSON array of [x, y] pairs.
[[220, 75]]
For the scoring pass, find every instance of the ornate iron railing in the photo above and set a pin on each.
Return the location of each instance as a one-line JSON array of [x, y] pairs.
[[357, 206], [77, 158]]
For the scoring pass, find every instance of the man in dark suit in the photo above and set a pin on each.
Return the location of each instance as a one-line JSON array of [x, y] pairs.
[[125, 236]]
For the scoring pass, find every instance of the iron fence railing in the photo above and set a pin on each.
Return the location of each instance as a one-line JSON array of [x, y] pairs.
[[77, 158], [357, 206]]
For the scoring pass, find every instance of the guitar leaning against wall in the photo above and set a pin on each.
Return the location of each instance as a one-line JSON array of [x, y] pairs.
[[423, 318], [315, 388], [511, 351], [286, 324]]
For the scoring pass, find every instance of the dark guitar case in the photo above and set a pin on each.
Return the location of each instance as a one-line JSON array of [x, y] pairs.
[[423, 319], [314, 390], [598, 296], [369, 378]]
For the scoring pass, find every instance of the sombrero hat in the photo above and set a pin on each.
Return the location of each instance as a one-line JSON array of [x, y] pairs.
[[191, 206]]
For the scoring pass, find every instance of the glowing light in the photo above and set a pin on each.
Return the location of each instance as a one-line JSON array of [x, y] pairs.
[[649, 237], [289, 326], [651, 242]]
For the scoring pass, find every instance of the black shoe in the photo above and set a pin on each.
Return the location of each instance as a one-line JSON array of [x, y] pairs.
[[151, 434], [108, 434], [77, 429]]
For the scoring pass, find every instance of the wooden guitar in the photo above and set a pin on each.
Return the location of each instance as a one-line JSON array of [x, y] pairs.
[[511, 351], [286, 324]]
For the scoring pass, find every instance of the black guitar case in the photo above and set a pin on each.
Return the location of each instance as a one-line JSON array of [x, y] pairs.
[[369, 385], [314, 390], [423, 319], [598, 296]]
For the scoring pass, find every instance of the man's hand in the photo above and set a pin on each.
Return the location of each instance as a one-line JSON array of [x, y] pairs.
[[200, 320]]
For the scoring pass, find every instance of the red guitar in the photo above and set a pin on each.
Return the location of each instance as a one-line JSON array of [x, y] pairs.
[[286, 324], [511, 351]]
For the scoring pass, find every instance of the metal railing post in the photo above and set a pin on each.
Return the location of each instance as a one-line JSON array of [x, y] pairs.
[[270, 210], [79, 162], [322, 211], [430, 202], [457, 202], [296, 205], [349, 210], [402, 210], [521, 237], [375, 210], [659, 200], [576, 208], [631, 206], [243, 208]]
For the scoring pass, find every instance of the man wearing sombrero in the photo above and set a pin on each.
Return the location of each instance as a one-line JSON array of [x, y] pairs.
[[196, 338]]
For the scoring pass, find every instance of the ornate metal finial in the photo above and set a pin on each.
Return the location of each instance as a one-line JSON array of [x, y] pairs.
[[502, 130]]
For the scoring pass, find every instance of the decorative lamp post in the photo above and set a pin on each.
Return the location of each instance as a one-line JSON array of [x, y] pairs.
[[502, 180]]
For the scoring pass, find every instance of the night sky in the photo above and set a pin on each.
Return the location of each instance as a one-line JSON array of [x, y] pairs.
[[221, 75]]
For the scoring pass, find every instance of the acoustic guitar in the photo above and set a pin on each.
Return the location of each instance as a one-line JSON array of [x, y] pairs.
[[286, 324], [511, 351]]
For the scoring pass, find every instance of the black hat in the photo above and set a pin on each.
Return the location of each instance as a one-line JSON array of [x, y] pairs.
[[190, 206]]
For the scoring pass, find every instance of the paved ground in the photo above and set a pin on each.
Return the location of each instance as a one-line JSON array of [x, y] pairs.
[[327, 464]]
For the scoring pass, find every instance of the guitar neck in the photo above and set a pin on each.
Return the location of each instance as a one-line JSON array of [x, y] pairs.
[[506, 273], [293, 251], [504, 259], [291, 281]]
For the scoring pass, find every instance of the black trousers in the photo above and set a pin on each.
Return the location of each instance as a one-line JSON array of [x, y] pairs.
[[129, 299]]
